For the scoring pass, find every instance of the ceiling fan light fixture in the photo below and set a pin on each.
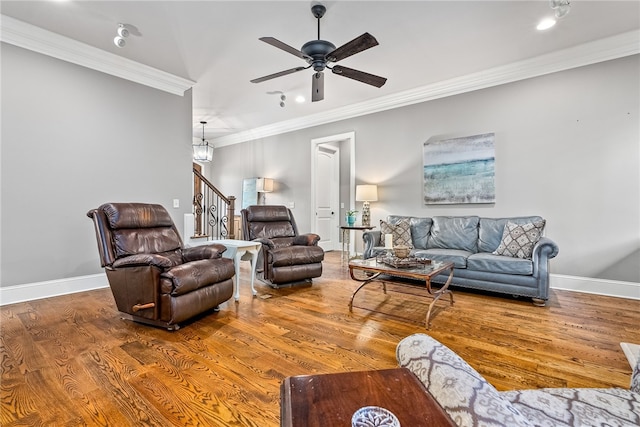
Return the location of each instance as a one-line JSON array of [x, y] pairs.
[[318, 53]]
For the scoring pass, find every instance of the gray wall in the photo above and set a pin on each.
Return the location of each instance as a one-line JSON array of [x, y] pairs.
[[73, 138], [567, 148]]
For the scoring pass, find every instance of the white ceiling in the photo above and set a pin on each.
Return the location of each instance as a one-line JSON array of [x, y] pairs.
[[215, 44]]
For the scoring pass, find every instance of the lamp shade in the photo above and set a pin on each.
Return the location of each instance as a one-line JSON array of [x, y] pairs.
[[264, 185], [366, 193]]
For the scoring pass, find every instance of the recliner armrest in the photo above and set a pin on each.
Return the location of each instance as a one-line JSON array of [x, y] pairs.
[[211, 251], [267, 243], [309, 239], [143, 259]]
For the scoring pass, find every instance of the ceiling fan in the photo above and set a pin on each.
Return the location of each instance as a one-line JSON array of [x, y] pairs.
[[319, 53]]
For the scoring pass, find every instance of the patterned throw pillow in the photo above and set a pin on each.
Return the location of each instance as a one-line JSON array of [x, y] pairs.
[[401, 233], [518, 240]]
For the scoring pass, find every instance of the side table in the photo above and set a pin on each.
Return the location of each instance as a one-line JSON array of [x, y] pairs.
[[240, 250], [346, 238], [331, 399]]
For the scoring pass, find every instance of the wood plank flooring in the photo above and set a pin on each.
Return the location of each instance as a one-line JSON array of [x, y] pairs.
[[71, 360]]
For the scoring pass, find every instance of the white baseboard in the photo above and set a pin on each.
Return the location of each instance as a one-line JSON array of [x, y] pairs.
[[51, 288], [54, 288], [589, 285]]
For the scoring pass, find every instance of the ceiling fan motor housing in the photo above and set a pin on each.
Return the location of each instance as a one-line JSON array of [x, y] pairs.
[[318, 50]]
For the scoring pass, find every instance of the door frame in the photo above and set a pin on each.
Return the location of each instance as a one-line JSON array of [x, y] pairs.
[[348, 138]]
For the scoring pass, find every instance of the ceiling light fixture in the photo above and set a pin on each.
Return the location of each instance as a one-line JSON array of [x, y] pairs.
[[545, 24], [202, 151], [561, 7], [123, 33]]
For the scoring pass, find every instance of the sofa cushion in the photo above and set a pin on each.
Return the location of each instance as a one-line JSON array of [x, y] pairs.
[[518, 240], [456, 256], [490, 230], [460, 232], [560, 407], [500, 264], [401, 232], [420, 229]]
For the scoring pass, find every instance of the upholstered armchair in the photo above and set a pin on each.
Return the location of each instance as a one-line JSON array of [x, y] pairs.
[[154, 279], [287, 256]]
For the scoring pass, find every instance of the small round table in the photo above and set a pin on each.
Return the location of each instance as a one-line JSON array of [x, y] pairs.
[[346, 238]]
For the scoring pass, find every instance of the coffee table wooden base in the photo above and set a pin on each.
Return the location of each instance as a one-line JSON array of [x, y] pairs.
[[331, 399], [377, 270]]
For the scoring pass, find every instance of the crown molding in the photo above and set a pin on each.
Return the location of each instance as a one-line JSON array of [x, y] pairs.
[[619, 46], [39, 40]]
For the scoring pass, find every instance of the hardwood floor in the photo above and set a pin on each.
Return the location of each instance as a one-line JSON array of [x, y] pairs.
[[71, 360]]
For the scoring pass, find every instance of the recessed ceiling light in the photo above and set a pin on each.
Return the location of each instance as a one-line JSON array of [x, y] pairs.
[[545, 24], [300, 99]]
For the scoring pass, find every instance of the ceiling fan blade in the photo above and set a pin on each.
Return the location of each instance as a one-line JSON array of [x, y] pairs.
[[280, 74], [361, 76], [317, 86], [280, 45], [356, 45]]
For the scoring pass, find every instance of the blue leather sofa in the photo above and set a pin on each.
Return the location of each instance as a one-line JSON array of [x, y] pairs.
[[468, 242]]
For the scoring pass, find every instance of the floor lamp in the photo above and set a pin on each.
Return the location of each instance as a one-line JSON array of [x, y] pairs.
[[366, 193]]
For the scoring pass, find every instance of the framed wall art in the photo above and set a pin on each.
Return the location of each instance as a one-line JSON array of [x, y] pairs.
[[459, 170]]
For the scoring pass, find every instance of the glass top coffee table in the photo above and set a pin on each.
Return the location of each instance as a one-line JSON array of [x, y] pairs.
[[409, 268]]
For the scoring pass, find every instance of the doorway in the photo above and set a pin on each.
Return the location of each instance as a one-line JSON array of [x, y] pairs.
[[329, 156]]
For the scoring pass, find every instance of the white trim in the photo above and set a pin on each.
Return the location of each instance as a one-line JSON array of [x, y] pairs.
[[51, 288], [71, 285], [39, 40], [589, 285], [606, 49]]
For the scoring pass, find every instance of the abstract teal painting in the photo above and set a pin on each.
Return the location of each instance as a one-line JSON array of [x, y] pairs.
[[459, 170]]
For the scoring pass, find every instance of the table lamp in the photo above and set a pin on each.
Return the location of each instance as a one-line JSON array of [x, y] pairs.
[[366, 193]]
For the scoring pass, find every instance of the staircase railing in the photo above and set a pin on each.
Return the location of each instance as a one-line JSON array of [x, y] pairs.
[[213, 211]]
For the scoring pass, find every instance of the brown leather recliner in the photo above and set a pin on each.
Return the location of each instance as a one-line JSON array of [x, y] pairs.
[[153, 278], [287, 256]]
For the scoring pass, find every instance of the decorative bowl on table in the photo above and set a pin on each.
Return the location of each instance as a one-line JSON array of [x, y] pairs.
[[401, 251], [374, 416]]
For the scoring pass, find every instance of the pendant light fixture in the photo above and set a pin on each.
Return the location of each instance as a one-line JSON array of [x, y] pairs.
[[202, 151]]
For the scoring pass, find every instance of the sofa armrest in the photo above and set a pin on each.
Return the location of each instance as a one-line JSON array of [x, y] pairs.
[[309, 239], [461, 391], [212, 251], [155, 260], [545, 248], [371, 240], [543, 251]]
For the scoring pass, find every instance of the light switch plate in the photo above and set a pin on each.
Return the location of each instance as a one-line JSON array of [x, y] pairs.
[[292, 205], [176, 203]]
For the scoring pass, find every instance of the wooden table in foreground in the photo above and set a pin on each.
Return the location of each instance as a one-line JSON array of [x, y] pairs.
[[331, 399], [423, 272]]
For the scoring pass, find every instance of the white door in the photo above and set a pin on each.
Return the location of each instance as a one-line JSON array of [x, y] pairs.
[[327, 184]]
